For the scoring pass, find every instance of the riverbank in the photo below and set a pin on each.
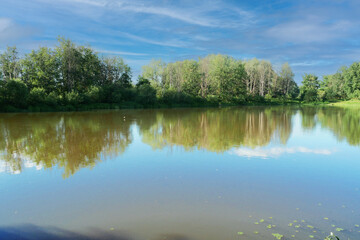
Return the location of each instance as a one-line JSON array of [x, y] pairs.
[[350, 103], [134, 105]]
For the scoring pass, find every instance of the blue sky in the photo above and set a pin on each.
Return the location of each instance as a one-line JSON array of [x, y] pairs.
[[313, 36]]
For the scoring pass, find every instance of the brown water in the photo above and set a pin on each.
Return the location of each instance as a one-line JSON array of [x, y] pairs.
[[195, 174]]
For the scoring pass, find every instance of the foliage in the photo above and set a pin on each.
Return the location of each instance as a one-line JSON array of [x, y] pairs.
[[69, 76]]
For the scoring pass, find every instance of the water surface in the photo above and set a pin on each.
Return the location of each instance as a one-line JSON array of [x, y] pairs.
[[195, 174]]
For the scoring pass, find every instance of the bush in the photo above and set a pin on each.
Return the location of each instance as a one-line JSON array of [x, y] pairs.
[[146, 94], [73, 98], [310, 95], [52, 99], [15, 92], [321, 95], [356, 94], [92, 95], [36, 96]]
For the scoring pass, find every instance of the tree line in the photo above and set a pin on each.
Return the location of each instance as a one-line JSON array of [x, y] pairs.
[[70, 75]]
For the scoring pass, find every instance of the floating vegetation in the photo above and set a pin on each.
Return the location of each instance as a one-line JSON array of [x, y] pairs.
[[332, 237], [240, 233], [357, 225], [278, 236], [297, 209], [269, 226], [339, 229], [295, 221], [333, 225], [302, 221], [311, 236], [270, 217], [309, 226], [293, 236], [262, 220], [290, 224], [256, 223], [256, 232], [297, 226], [112, 229]]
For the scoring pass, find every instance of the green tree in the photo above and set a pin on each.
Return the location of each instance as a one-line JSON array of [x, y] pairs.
[[40, 69], [191, 77], [14, 92], [309, 88], [285, 85], [352, 79], [9, 64]]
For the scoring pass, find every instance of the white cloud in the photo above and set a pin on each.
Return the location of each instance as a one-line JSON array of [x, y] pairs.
[[277, 151]]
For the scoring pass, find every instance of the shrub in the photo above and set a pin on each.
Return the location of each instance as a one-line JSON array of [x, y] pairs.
[[36, 96], [73, 98], [15, 93], [92, 95], [146, 94], [310, 95], [52, 99]]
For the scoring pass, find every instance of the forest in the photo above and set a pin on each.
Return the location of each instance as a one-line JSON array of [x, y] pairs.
[[74, 77]]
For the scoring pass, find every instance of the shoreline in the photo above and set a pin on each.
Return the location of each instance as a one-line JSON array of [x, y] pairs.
[[131, 105]]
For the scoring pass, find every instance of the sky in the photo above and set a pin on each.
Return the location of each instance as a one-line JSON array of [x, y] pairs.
[[312, 36]]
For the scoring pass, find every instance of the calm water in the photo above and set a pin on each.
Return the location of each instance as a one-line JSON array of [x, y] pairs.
[[181, 174]]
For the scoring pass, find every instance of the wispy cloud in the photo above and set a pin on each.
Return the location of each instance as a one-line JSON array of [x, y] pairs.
[[277, 151], [120, 52], [313, 36], [200, 16], [10, 31], [170, 43]]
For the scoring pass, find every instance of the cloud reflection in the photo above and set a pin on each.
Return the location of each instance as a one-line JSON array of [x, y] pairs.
[[277, 151]]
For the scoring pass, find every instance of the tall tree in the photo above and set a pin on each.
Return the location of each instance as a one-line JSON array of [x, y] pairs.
[[9, 63], [40, 69]]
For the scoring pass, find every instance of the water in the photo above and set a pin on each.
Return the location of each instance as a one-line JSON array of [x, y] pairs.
[[181, 174]]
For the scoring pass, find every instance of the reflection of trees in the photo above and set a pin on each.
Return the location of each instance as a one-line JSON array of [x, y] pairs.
[[218, 129], [343, 122], [69, 140], [75, 140], [308, 119]]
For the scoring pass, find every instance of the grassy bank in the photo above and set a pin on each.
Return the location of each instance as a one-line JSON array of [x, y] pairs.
[[350, 103]]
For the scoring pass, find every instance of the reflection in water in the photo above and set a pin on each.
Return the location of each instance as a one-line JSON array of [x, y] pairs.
[[343, 122], [277, 151], [76, 140], [219, 130], [70, 141]]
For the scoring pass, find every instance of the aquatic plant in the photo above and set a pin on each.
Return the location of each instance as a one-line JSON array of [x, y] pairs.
[[278, 236], [332, 237]]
